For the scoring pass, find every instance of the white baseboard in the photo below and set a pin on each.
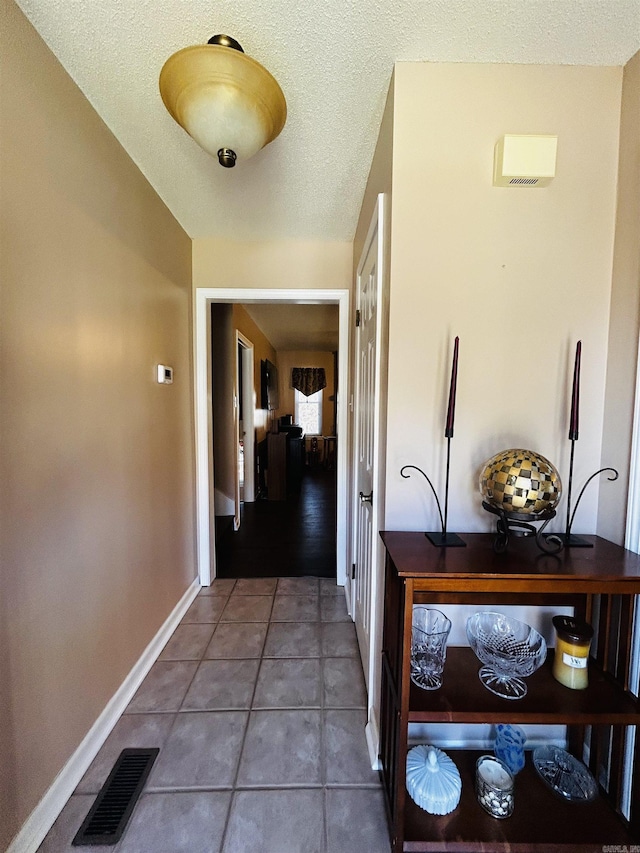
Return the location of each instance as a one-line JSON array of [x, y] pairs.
[[373, 740], [42, 818], [348, 597], [224, 505]]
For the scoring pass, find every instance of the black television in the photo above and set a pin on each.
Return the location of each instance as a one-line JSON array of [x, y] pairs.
[[268, 385]]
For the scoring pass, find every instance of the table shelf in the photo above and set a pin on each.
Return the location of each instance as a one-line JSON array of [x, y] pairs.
[[464, 699], [600, 584], [541, 820]]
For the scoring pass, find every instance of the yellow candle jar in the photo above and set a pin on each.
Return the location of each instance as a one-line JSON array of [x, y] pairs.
[[570, 662]]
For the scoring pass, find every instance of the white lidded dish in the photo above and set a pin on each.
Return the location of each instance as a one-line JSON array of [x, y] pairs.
[[433, 780]]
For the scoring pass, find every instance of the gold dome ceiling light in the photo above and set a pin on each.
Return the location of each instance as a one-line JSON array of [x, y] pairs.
[[224, 99]]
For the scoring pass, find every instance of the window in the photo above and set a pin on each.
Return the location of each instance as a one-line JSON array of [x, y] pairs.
[[309, 412]]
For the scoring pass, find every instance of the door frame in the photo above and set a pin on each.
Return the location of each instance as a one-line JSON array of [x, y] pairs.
[[244, 368], [205, 522], [379, 228]]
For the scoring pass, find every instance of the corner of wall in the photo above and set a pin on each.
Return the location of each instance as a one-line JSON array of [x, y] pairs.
[[624, 322]]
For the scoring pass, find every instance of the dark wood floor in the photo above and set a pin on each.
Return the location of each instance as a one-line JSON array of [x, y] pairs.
[[291, 538]]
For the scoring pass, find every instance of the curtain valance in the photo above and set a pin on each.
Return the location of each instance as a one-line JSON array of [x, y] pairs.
[[308, 380]]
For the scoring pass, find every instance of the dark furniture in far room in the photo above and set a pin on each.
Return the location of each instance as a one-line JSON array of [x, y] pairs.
[[285, 459]]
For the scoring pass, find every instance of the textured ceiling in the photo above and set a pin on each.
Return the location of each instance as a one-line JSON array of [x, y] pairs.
[[333, 59], [297, 327]]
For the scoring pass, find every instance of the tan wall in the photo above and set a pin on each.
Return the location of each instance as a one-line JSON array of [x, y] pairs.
[[625, 316], [287, 360], [519, 274], [275, 264], [226, 319], [97, 458], [225, 452]]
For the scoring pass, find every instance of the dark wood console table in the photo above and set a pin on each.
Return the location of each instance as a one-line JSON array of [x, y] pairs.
[[601, 584]]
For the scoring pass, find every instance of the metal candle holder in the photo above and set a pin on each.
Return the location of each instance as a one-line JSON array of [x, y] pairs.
[[442, 538], [568, 539]]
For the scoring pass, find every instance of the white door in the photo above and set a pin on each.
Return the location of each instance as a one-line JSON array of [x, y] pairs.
[[366, 584]]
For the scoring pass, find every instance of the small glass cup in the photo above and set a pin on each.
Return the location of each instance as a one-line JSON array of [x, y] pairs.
[[494, 786], [509, 746], [429, 632]]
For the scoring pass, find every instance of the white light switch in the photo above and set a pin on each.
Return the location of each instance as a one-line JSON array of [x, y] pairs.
[[165, 374]]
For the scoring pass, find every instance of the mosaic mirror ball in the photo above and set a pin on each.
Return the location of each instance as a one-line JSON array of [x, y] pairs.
[[520, 481]]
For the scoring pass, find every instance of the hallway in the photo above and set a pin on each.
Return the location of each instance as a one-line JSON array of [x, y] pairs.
[[291, 538], [257, 703]]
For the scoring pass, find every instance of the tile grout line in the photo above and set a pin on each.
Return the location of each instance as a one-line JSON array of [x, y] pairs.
[[234, 789], [291, 786], [323, 751], [198, 662], [180, 708]]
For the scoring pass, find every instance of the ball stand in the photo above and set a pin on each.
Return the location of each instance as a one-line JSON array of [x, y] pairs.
[[522, 524]]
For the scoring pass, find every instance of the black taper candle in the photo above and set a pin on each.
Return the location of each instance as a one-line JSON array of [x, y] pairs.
[[575, 396], [451, 410]]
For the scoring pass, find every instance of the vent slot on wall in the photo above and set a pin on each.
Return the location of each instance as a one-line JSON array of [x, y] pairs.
[[110, 813]]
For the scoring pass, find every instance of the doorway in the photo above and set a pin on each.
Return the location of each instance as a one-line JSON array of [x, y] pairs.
[[205, 297]]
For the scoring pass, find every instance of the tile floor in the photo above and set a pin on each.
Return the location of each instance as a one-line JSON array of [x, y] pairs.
[[257, 703]]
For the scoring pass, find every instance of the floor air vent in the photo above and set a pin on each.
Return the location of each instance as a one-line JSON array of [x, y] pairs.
[[109, 815]]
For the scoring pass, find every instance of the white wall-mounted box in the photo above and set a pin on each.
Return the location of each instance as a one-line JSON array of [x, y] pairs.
[[524, 160]]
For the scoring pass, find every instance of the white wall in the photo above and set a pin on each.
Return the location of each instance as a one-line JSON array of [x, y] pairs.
[[625, 315], [519, 274]]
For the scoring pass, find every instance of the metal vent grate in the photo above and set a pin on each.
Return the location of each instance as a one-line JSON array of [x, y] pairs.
[[109, 815], [524, 181]]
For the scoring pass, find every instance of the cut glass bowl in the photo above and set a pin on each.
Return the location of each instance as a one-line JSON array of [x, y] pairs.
[[510, 651], [565, 774]]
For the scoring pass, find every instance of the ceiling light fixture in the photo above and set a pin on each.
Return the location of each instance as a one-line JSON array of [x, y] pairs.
[[224, 99]]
